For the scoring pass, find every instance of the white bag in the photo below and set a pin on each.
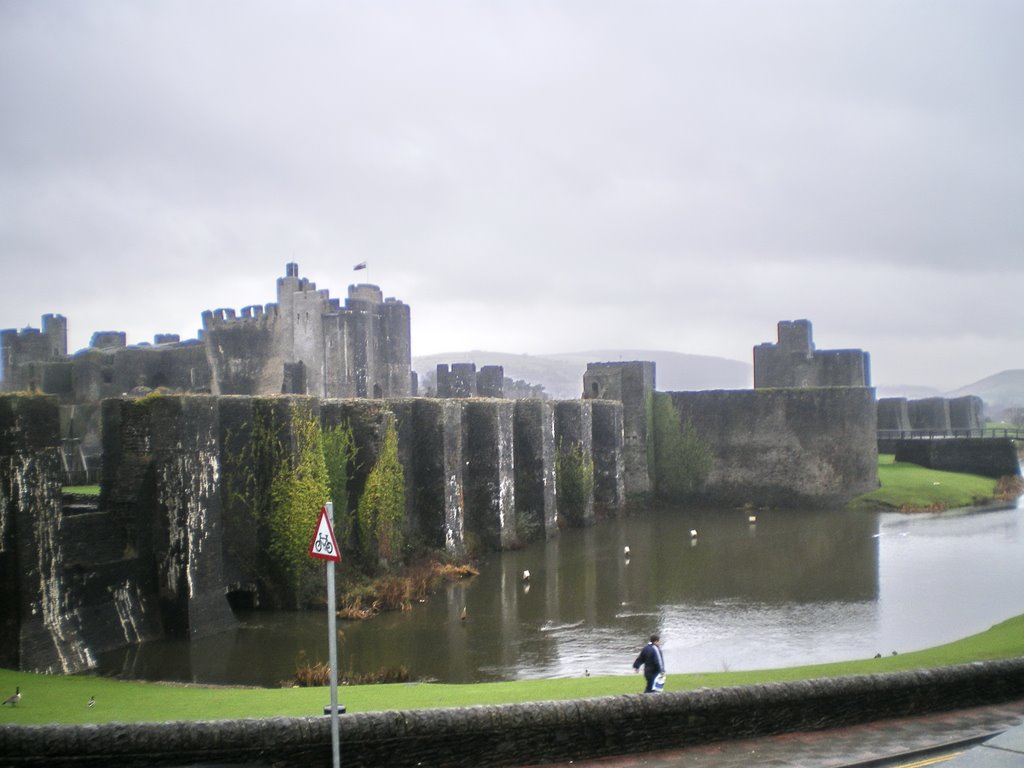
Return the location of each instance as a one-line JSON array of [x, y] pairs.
[[659, 683]]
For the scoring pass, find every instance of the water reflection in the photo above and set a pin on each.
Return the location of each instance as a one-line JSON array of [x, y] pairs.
[[790, 588]]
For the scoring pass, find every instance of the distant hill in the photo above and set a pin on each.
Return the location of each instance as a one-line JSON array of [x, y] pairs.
[[562, 374], [1000, 391]]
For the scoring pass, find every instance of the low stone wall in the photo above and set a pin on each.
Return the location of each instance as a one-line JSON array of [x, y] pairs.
[[525, 734], [988, 457]]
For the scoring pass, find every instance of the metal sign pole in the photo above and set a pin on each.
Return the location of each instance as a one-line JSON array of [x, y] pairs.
[[332, 645]]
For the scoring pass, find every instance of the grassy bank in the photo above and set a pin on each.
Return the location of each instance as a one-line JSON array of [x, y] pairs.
[[59, 699], [909, 487]]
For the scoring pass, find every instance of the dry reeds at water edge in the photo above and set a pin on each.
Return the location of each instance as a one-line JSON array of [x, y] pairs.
[[398, 593], [317, 674]]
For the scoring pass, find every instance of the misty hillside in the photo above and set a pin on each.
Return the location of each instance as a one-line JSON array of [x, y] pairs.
[[1000, 391], [562, 374]]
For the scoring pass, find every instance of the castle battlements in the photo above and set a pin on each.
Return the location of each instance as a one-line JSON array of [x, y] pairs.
[[794, 362], [252, 312], [304, 343]]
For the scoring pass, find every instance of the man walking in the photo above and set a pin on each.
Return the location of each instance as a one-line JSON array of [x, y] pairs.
[[652, 660]]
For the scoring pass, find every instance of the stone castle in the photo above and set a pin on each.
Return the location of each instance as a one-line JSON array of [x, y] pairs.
[[167, 550], [794, 362], [305, 344]]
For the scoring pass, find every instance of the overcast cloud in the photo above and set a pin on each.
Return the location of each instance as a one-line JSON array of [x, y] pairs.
[[530, 177]]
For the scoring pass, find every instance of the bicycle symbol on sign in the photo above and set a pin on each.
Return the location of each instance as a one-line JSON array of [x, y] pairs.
[[323, 544]]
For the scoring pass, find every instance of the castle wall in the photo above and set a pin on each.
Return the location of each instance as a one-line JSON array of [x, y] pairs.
[[396, 352], [169, 480], [43, 607], [967, 413], [574, 429], [893, 413], [786, 447], [929, 413], [988, 457], [630, 383], [21, 349], [535, 465], [438, 472], [607, 440], [246, 355], [489, 477]]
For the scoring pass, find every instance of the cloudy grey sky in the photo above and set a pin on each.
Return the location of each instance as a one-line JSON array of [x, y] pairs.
[[530, 177]]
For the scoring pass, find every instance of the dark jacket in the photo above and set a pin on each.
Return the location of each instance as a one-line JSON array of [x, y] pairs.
[[650, 657]]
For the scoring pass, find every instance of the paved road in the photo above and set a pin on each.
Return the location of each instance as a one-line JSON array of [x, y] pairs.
[[863, 745]]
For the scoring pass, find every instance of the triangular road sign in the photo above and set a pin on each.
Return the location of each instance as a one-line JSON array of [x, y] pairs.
[[324, 545]]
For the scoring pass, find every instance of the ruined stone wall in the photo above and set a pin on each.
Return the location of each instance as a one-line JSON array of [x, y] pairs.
[[536, 506], [489, 475], [608, 453], [162, 483], [966, 413], [245, 355], [69, 584], [632, 384], [574, 429], [929, 413], [458, 380], [893, 413], [786, 447], [395, 368]]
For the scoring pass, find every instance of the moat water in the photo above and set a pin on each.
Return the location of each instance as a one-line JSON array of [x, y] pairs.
[[791, 588]]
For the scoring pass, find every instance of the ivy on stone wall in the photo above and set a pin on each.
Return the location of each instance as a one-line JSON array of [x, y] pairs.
[[300, 487], [381, 507], [250, 468], [340, 454], [682, 460], [574, 479]]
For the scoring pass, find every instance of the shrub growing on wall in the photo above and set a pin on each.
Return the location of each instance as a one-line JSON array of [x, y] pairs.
[[340, 454], [682, 459], [574, 479], [250, 462], [299, 489], [382, 506]]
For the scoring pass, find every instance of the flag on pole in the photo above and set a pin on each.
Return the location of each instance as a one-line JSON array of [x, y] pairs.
[[360, 265]]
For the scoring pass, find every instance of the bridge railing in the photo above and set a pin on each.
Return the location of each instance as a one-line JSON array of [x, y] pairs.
[[1013, 433]]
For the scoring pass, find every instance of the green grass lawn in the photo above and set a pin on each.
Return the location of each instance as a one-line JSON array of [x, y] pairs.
[[82, 490], [64, 699], [912, 487]]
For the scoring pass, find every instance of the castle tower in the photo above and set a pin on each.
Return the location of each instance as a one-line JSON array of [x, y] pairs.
[[630, 383]]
